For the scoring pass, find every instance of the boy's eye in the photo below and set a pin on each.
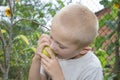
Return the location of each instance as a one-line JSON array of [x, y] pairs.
[[62, 47]]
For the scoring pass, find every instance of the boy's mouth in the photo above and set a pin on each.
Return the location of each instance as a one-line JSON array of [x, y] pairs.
[[57, 55]]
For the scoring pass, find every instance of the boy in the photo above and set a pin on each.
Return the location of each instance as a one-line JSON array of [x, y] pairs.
[[73, 29]]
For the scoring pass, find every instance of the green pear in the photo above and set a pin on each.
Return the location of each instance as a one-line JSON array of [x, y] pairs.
[[45, 52]]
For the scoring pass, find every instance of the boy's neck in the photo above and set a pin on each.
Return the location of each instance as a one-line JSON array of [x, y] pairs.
[[78, 56], [82, 53]]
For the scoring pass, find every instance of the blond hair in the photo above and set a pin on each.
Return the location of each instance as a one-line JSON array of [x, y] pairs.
[[78, 21]]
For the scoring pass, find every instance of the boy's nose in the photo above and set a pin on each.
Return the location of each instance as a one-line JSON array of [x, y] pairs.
[[52, 46]]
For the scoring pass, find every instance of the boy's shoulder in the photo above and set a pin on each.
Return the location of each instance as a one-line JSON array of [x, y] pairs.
[[89, 59], [82, 67]]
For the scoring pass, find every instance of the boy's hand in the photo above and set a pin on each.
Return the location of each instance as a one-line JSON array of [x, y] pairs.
[[52, 66], [44, 40]]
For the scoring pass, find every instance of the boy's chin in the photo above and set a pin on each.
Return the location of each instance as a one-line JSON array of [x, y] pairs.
[[58, 56]]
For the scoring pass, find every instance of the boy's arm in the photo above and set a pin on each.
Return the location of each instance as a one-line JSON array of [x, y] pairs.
[[34, 73], [52, 66]]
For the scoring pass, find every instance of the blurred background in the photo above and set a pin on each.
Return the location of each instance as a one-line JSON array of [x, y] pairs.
[[23, 21]]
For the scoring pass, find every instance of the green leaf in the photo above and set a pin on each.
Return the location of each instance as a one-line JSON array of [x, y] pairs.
[[102, 55], [23, 38], [33, 49], [48, 5], [110, 48], [111, 24], [61, 3], [99, 42]]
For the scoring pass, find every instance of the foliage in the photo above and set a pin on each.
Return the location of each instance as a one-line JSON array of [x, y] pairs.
[[26, 21], [111, 20]]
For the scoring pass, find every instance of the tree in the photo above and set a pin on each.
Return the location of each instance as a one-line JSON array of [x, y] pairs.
[[20, 29]]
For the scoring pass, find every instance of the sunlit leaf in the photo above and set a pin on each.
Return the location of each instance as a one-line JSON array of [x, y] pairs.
[[102, 55], [33, 49], [23, 38], [3, 31], [116, 6]]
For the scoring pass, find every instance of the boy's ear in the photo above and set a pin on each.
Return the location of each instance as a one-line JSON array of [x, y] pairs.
[[85, 50]]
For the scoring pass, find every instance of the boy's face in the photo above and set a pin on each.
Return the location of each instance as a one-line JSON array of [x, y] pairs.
[[61, 44]]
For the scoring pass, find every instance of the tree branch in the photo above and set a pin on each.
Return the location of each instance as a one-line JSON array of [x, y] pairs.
[[2, 23], [2, 39], [4, 49], [31, 21], [1, 68]]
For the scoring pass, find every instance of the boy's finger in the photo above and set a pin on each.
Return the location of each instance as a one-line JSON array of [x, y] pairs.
[[43, 61], [45, 66], [44, 57], [44, 39], [44, 36], [41, 46]]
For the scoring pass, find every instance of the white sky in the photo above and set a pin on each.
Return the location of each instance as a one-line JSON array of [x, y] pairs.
[[93, 5]]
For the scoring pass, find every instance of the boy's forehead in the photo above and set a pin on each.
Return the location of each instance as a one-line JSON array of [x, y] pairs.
[[59, 33], [69, 16], [62, 35]]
